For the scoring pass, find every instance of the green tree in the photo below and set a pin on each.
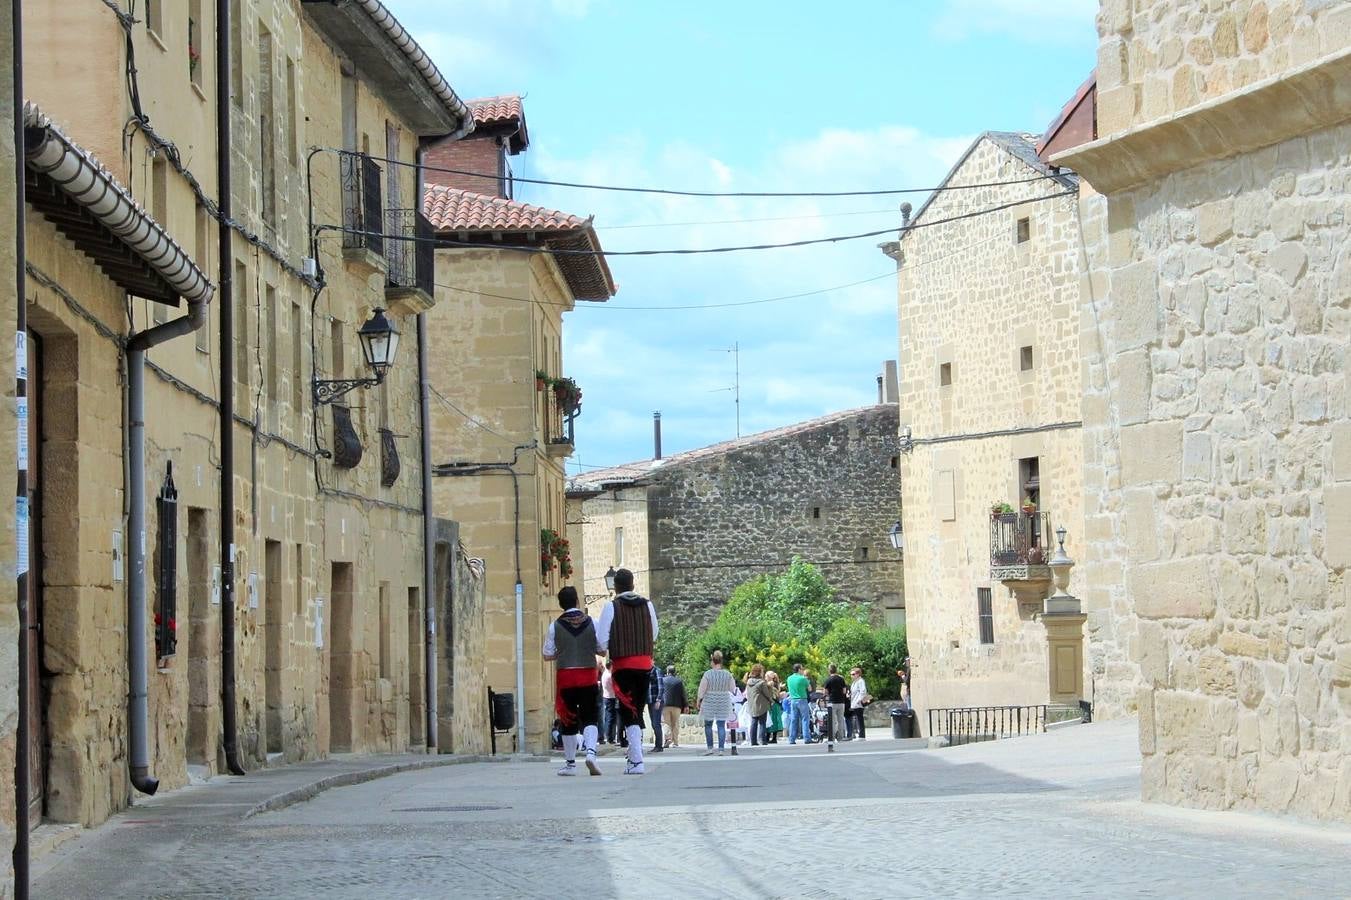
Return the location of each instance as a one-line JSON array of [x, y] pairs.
[[797, 603], [878, 652]]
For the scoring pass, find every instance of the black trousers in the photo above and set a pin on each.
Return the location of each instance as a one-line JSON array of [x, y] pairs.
[[631, 694], [583, 708]]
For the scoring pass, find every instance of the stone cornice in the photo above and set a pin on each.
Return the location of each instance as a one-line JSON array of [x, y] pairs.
[[1307, 99]]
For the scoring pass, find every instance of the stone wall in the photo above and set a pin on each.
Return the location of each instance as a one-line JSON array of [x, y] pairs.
[[1158, 59], [973, 294], [9, 309], [826, 491], [1217, 313]]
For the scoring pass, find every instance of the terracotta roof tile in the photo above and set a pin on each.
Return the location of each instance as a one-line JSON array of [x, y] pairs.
[[453, 209], [464, 212], [494, 110]]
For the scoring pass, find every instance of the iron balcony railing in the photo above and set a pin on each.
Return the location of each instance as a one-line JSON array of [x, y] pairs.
[[1020, 539], [561, 418], [410, 251], [362, 218], [969, 724]]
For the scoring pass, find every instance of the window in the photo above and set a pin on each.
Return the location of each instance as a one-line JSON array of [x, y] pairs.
[[241, 325], [297, 363], [386, 660], [985, 612], [619, 546], [195, 42], [1023, 230], [1025, 359], [292, 114], [894, 461], [816, 512], [267, 125], [154, 17], [945, 375], [236, 54], [268, 331]]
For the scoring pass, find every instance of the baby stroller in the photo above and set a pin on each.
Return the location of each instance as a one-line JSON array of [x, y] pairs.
[[820, 720]]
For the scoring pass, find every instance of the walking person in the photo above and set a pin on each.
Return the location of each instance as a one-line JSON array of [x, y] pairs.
[[608, 718], [628, 629], [673, 704], [859, 698], [654, 700], [775, 707], [715, 702], [799, 712], [837, 695], [760, 696], [571, 643]]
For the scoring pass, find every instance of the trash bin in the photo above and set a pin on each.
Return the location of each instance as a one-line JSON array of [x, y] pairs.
[[503, 711], [902, 722]]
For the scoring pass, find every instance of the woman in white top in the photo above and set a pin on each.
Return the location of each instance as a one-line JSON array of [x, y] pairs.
[[715, 702], [858, 699]]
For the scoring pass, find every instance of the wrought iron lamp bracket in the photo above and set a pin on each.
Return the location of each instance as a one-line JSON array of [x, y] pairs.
[[329, 390]]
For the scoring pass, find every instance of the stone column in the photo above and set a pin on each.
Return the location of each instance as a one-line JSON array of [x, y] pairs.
[[1064, 623]]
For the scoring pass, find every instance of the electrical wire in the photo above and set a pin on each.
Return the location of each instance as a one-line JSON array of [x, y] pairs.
[[803, 216], [691, 251], [445, 401], [496, 179]]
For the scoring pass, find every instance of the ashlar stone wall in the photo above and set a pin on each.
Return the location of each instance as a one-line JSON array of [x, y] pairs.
[[827, 491]]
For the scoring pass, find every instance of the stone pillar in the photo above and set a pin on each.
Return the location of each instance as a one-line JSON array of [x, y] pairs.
[[1064, 623]]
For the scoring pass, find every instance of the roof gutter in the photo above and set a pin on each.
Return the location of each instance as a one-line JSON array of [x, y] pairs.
[[91, 186], [422, 62]]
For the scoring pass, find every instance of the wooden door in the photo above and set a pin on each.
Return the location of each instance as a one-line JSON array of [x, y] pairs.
[[37, 731]]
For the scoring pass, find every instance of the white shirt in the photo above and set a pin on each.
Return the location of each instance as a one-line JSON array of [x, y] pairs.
[[607, 618], [857, 691]]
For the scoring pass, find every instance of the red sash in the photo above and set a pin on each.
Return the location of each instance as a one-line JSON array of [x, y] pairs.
[[572, 678]]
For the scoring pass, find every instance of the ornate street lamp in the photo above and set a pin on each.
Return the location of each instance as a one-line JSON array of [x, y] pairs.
[[610, 579], [379, 342], [897, 536]]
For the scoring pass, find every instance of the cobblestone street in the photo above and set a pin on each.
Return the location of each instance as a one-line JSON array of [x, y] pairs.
[[1050, 814]]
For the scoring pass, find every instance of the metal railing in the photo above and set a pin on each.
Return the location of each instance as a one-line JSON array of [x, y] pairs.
[[970, 724], [410, 251], [1020, 539], [560, 421], [362, 217]]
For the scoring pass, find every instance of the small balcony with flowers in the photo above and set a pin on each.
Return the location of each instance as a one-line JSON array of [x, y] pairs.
[[561, 403], [1020, 539]]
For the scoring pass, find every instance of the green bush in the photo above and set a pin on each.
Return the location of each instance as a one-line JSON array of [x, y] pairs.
[[878, 652], [797, 604], [671, 643]]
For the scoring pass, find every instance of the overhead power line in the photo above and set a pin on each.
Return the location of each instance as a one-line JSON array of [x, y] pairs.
[[683, 193], [689, 251]]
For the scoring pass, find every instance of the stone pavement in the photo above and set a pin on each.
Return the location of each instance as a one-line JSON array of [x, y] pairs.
[[1053, 814]]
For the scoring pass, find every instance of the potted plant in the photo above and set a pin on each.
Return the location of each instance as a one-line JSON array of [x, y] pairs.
[[1036, 557], [999, 509], [554, 549], [567, 394], [541, 380], [1028, 506]]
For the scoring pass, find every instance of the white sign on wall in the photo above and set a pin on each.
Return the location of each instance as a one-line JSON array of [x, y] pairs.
[[319, 622], [253, 590], [215, 585]]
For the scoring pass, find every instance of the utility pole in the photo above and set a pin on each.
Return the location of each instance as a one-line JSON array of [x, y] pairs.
[[735, 350]]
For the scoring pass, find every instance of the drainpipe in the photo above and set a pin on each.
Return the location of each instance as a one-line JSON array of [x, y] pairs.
[[229, 724], [137, 663], [22, 756], [428, 538]]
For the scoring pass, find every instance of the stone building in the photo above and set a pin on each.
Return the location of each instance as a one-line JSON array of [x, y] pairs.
[[9, 310], [500, 433], [693, 526], [989, 412], [1216, 336], [321, 570]]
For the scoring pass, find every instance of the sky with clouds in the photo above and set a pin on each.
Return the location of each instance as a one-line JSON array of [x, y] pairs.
[[746, 96]]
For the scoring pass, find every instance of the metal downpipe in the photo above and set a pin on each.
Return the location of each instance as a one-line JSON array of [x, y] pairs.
[[22, 758], [428, 543], [229, 715]]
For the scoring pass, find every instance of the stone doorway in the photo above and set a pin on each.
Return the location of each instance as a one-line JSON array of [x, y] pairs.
[[274, 624], [341, 659], [32, 626]]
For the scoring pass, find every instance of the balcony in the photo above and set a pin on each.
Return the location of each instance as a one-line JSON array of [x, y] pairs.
[[363, 245], [563, 406], [1020, 544], [411, 254]]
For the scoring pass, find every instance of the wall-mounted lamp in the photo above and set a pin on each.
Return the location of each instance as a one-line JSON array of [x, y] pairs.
[[379, 342], [610, 579], [896, 536]]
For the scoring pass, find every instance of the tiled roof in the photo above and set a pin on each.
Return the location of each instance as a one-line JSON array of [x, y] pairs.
[[1021, 147], [467, 214], [639, 472], [500, 114], [493, 110], [454, 209]]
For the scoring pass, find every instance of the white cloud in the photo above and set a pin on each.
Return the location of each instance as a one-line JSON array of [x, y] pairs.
[[1033, 21]]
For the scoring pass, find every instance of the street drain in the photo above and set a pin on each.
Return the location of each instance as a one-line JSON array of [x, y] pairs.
[[467, 807]]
